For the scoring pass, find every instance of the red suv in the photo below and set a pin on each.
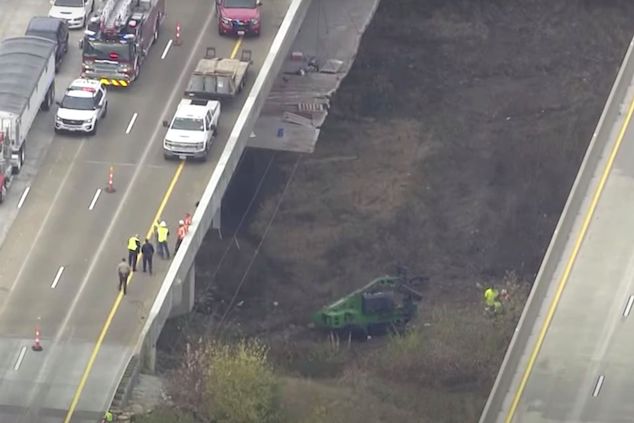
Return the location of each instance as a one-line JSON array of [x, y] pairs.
[[238, 17]]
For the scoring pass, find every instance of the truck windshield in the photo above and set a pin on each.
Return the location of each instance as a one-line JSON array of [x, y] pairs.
[[115, 52], [188, 124], [240, 4], [78, 103], [69, 3]]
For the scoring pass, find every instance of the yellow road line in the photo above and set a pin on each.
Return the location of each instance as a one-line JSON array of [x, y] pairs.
[[117, 302], [569, 265]]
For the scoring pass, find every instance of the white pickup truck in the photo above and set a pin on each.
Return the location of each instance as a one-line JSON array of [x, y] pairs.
[[192, 129]]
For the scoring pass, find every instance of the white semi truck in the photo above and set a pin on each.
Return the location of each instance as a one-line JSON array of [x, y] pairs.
[[27, 84]]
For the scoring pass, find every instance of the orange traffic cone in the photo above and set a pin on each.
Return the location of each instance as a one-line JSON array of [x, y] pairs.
[[37, 346], [177, 38], [110, 186]]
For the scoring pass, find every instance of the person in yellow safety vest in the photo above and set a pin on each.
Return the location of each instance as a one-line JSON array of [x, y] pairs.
[[491, 298], [162, 232], [134, 247], [107, 417]]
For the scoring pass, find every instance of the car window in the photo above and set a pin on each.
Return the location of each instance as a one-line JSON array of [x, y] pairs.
[[44, 34], [188, 124], [240, 4], [78, 103], [69, 3]]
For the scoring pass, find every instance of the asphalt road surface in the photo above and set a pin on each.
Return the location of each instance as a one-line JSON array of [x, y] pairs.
[[58, 260]]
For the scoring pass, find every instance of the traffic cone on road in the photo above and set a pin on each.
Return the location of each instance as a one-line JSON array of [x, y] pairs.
[[110, 187], [37, 346], [177, 38]]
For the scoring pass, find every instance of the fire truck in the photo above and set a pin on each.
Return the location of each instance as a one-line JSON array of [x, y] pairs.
[[117, 39]]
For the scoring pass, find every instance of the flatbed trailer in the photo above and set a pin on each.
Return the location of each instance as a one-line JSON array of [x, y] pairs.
[[218, 78]]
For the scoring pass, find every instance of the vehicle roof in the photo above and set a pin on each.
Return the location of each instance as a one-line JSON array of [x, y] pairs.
[[192, 111], [22, 61], [80, 82], [44, 23]]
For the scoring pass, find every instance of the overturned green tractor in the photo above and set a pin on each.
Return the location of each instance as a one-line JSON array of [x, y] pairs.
[[387, 303]]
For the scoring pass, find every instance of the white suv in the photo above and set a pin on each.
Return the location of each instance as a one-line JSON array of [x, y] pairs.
[[85, 102], [74, 12]]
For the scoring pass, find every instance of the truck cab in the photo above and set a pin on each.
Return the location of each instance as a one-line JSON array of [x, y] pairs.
[[192, 129], [239, 17]]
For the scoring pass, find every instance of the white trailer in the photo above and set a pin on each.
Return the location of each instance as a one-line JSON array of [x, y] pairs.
[[27, 84]]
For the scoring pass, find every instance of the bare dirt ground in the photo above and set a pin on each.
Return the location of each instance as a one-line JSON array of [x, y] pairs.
[[450, 148]]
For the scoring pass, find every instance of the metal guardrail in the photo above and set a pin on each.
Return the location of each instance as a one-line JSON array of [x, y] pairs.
[[519, 348]]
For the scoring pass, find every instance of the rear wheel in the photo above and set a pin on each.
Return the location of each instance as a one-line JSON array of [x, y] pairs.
[[49, 99], [21, 159]]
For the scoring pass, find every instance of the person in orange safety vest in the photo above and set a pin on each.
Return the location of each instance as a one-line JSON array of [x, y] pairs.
[[180, 234]]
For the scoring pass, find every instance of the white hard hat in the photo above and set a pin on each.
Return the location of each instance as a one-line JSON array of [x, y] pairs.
[[181, 222], [163, 223]]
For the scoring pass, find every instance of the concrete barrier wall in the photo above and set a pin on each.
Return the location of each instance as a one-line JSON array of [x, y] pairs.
[[516, 356], [173, 285]]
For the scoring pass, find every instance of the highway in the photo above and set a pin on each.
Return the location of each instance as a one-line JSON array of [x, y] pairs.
[[58, 260], [572, 356]]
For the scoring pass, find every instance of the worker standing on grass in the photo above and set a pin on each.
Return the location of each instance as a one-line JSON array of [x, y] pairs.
[[107, 417], [147, 250], [180, 234], [162, 232], [134, 247], [123, 269], [492, 300]]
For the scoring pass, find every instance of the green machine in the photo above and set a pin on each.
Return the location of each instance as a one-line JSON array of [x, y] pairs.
[[386, 303]]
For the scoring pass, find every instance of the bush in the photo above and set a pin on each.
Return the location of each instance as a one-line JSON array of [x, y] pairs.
[[228, 383], [166, 415]]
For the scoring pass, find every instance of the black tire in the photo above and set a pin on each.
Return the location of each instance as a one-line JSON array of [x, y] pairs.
[[94, 128], [3, 193], [21, 159], [57, 130], [49, 100], [105, 110], [167, 156]]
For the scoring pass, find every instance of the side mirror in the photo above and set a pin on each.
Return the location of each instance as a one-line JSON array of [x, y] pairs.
[[165, 124]]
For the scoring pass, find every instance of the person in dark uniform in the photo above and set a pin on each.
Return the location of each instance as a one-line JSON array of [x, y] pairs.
[[147, 250]]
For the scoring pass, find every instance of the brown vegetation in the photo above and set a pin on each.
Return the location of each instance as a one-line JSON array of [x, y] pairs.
[[463, 124]]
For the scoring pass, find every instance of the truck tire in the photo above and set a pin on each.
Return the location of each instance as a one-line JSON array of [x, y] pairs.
[[156, 31], [49, 99], [21, 159]]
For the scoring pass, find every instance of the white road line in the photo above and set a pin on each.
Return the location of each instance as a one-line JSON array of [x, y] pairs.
[[94, 199], [18, 362], [597, 387], [24, 194], [628, 306], [58, 275], [131, 124], [167, 49]]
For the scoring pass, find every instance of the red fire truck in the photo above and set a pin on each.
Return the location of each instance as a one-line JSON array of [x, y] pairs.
[[117, 39]]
